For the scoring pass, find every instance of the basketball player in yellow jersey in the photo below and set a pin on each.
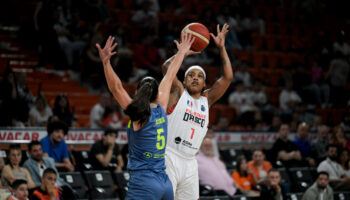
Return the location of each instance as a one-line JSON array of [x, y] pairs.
[[188, 117]]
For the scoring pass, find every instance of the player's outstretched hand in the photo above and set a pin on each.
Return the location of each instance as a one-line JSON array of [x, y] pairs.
[[219, 39], [107, 52], [186, 42]]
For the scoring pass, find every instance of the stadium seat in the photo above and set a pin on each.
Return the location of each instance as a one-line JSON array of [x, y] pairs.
[[302, 178], [341, 195], [82, 160], [206, 190], [121, 179], [76, 181], [100, 184], [230, 156], [295, 196]]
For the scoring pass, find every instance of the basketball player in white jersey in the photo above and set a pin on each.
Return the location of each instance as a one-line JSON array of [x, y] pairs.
[[188, 117]]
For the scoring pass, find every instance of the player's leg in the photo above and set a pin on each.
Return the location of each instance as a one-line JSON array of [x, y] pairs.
[[168, 188], [171, 170], [144, 184], [188, 188]]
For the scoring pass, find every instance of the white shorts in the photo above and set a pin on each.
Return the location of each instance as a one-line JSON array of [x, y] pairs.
[[183, 174]]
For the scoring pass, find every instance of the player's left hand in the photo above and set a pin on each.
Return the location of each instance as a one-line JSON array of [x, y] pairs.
[[219, 39]]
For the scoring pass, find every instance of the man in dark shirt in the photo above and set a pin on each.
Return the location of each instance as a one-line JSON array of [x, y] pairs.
[[284, 149], [274, 190], [104, 154]]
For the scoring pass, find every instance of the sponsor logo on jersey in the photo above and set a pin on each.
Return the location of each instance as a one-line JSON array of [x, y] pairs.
[[203, 108], [177, 140], [147, 155], [194, 117]]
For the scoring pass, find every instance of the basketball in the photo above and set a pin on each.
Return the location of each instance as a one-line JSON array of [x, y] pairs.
[[201, 33]]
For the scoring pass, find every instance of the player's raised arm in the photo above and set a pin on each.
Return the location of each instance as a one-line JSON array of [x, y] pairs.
[[221, 85], [113, 81], [174, 66]]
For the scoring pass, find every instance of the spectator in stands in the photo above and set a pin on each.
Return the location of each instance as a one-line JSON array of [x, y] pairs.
[[319, 81], [319, 144], [225, 16], [112, 118], [259, 166], [13, 171], [104, 154], [302, 142], [345, 123], [242, 75], [146, 18], [338, 138], [258, 95], [47, 189], [146, 56], [242, 102], [343, 158], [273, 190], [62, 109], [19, 189], [211, 135], [338, 74], [347, 169], [25, 97], [289, 99], [338, 179], [212, 171], [245, 178], [96, 114], [320, 189], [284, 149], [316, 124], [10, 108], [275, 124], [54, 146], [37, 163], [40, 113]]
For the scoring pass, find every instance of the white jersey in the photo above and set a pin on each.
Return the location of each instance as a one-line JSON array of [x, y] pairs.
[[187, 124]]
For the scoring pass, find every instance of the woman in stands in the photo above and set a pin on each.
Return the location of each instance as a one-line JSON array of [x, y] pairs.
[[147, 129], [338, 138], [244, 177], [62, 109], [13, 171]]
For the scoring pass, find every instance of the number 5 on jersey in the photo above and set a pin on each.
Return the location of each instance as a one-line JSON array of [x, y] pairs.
[[160, 139]]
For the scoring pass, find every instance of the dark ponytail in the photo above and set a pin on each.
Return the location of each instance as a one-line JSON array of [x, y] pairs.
[[139, 109]]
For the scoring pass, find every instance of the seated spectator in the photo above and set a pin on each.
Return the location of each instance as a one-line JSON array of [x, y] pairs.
[[302, 143], [40, 113], [37, 163], [338, 138], [96, 114], [13, 171], [259, 166], [337, 177], [275, 124], [211, 135], [347, 169], [343, 158], [242, 102], [54, 146], [104, 153], [212, 171], [244, 177], [319, 144], [320, 189], [19, 189], [112, 118], [47, 189], [62, 109], [273, 190], [242, 75], [289, 98], [285, 150]]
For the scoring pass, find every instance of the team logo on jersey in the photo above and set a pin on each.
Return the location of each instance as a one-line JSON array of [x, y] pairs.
[[202, 108], [177, 140], [189, 103]]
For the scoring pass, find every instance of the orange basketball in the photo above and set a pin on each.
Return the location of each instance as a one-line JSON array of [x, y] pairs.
[[201, 33]]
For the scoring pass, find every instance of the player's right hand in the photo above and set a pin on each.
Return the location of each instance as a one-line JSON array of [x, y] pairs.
[[107, 52]]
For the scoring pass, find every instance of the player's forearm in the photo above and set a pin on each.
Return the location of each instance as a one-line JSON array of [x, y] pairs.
[[226, 64], [167, 63], [175, 65], [113, 81], [108, 157]]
